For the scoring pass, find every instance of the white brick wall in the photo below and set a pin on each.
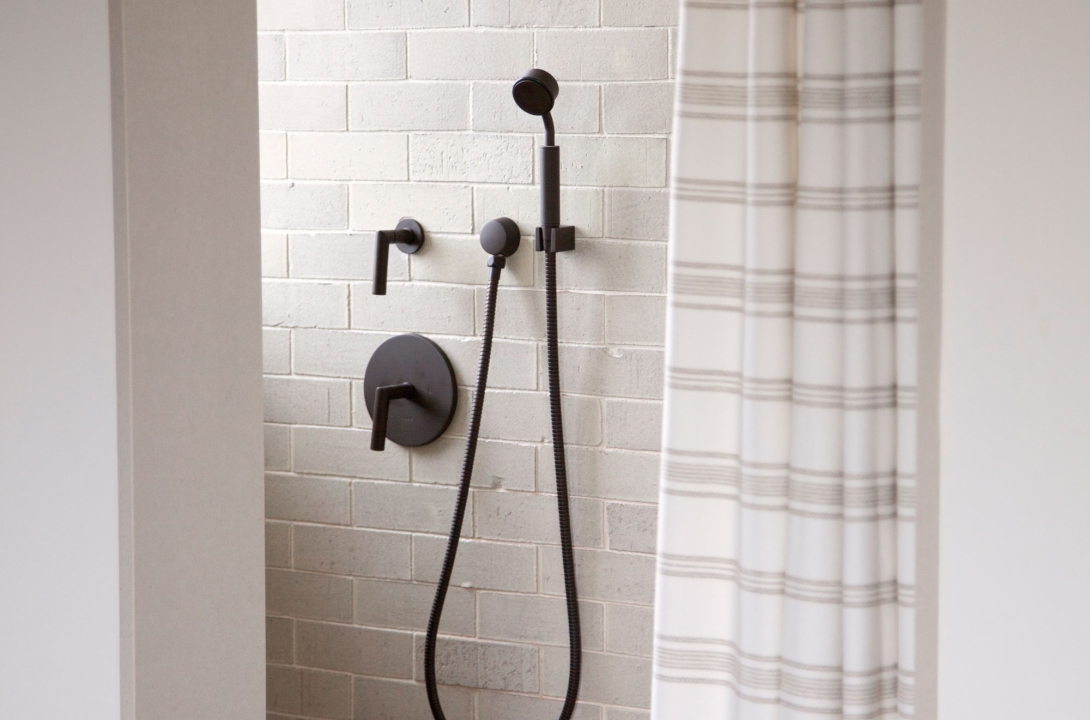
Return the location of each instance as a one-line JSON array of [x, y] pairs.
[[372, 110]]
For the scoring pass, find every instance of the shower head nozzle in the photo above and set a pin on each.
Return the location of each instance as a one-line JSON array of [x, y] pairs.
[[535, 92]]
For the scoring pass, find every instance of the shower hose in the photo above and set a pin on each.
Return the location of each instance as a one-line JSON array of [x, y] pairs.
[[574, 638]]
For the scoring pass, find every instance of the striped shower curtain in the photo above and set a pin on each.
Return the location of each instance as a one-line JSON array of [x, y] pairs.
[[786, 540]]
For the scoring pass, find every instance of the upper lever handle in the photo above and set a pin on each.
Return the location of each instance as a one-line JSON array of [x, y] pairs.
[[409, 237], [383, 396]]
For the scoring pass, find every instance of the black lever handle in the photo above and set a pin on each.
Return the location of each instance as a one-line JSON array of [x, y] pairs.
[[383, 396], [408, 236]]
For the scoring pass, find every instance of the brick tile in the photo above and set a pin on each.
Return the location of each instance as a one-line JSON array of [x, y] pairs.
[[356, 650], [611, 679], [469, 55], [308, 595], [377, 699], [407, 606], [480, 564], [291, 15], [346, 56], [602, 575], [301, 106], [307, 499], [343, 551], [604, 54]]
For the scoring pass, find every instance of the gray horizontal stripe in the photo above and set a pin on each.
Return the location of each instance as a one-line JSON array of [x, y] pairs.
[[800, 293], [730, 117], [779, 470], [738, 302], [835, 688], [735, 183], [800, 119], [728, 658], [884, 96], [790, 272], [860, 76], [707, 195], [851, 4], [739, 94], [797, 5], [772, 467], [725, 494], [883, 494], [741, 4], [732, 646], [722, 682], [814, 598], [890, 119], [801, 394], [844, 712], [779, 583], [770, 398], [827, 199], [883, 319], [783, 509], [683, 452], [811, 192], [756, 76]]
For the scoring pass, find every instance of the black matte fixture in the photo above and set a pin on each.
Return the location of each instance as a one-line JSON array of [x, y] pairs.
[[408, 236], [500, 238], [410, 392], [535, 93]]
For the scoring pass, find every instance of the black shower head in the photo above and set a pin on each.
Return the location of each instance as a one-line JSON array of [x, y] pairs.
[[535, 92]]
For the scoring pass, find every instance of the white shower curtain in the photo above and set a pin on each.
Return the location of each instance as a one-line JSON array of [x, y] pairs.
[[786, 541]]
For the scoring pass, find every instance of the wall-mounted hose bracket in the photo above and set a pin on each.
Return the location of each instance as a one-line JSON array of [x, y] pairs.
[[555, 239]]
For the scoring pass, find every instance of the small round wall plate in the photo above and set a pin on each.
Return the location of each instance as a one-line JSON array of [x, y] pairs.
[[413, 359], [417, 231]]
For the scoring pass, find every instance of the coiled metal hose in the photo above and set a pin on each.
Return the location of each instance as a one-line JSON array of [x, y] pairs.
[[571, 597]]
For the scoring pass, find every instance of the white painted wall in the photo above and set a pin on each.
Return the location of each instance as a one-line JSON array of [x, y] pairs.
[[58, 403], [1014, 596], [131, 495]]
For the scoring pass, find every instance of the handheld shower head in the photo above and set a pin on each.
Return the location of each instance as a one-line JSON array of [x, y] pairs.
[[535, 92]]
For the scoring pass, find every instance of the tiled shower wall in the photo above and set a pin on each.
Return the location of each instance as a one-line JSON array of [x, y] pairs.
[[389, 108]]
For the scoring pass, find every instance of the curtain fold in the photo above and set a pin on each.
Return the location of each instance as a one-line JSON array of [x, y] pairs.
[[786, 555]]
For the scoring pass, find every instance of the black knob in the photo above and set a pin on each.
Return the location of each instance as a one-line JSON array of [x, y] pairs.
[[500, 237], [408, 236]]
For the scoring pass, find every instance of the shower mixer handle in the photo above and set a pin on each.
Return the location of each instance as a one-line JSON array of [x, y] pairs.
[[414, 371], [408, 236], [383, 396]]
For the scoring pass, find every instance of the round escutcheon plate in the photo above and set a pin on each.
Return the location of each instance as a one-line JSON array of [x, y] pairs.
[[413, 359]]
